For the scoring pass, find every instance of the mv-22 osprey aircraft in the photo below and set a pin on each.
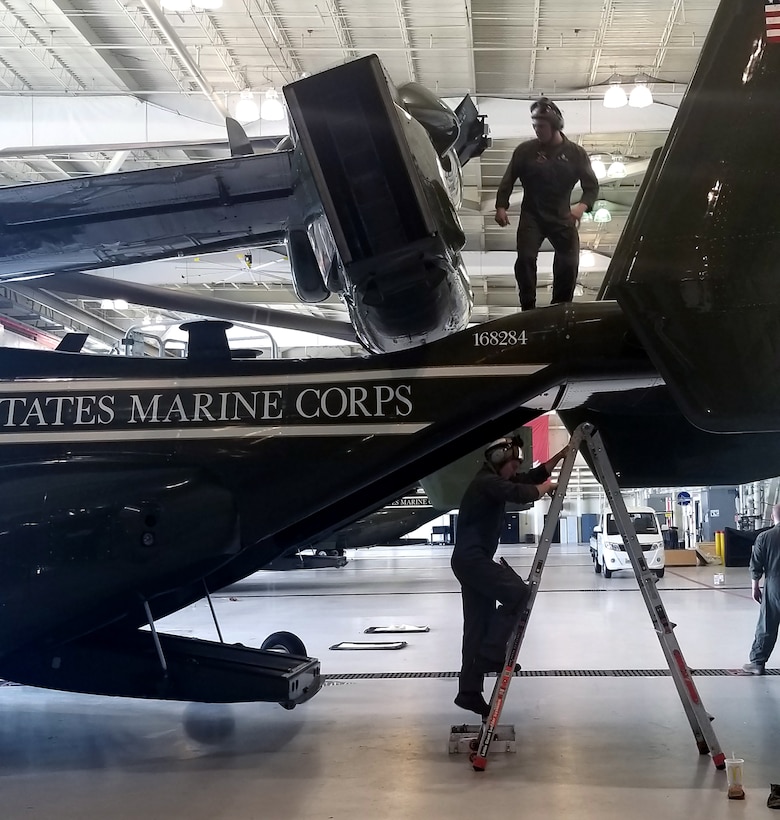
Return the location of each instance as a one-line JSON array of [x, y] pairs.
[[130, 487]]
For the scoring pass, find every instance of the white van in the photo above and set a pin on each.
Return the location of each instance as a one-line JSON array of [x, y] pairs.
[[609, 554]]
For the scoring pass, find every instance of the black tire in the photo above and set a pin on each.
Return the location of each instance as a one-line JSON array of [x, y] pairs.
[[607, 573], [596, 566], [659, 573], [285, 642]]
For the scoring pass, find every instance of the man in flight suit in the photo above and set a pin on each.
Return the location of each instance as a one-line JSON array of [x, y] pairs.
[[765, 561], [486, 630], [548, 168]]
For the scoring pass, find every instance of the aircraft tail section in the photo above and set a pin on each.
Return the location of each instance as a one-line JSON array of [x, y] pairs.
[[650, 443], [700, 277]]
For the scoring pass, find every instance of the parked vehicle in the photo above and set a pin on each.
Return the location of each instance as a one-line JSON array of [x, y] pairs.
[[607, 548]]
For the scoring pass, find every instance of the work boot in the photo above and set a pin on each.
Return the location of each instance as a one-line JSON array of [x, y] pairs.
[[473, 702], [773, 801], [754, 668]]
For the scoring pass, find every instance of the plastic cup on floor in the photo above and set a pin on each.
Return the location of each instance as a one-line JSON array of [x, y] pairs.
[[734, 776]]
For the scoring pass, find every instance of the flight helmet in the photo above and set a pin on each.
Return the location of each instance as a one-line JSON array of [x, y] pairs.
[[545, 109], [502, 450]]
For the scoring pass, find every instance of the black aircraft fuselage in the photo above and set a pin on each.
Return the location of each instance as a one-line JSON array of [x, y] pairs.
[[131, 487]]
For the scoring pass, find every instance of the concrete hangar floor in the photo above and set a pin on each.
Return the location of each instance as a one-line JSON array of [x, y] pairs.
[[609, 744]]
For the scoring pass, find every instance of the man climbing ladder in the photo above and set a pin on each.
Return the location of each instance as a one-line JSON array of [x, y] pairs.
[[706, 741]]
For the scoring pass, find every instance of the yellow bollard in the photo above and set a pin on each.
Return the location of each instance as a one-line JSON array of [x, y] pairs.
[[719, 544]]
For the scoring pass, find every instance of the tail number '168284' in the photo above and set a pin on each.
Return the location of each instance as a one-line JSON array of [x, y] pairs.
[[499, 338]]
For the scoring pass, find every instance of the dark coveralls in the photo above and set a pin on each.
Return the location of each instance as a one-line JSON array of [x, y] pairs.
[[548, 175], [486, 629], [765, 560]]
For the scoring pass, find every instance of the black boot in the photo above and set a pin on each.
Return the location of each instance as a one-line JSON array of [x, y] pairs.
[[473, 702], [773, 801]]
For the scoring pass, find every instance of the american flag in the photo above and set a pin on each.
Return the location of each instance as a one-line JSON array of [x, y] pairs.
[[772, 10]]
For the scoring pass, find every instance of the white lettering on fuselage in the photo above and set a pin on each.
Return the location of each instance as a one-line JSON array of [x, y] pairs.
[[125, 408], [354, 402]]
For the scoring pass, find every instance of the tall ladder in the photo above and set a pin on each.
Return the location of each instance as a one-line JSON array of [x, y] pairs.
[[706, 741]]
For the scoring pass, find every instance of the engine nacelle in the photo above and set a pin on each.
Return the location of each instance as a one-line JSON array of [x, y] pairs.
[[387, 235]]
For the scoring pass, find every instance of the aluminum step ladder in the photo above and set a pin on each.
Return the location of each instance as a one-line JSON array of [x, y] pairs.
[[586, 435]]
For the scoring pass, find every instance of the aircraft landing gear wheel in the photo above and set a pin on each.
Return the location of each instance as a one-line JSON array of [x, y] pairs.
[[284, 642], [607, 573], [659, 573], [287, 704], [597, 566], [473, 745]]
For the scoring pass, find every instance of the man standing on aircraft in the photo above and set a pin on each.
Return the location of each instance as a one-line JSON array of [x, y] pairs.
[[486, 629], [765, 561], [548, 168]]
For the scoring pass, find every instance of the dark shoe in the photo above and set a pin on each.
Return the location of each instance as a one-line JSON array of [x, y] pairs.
[[485, 665], [754, 668], [473, 702], [773, 801]]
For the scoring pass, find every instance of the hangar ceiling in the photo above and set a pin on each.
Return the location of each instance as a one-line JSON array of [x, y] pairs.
[[90, 86]]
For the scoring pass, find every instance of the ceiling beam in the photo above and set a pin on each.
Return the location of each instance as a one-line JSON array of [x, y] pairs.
[[35, 46], [20, 172], [168, 32], [607, 11], [75, 315], [666, 36], [280, 48], [78, 24], [534, 44], [12, 79], [340, 26], [407, 40], [159, 47], [217, 41], [47, 169]]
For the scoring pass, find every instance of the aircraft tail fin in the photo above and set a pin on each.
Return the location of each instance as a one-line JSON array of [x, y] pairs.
[[621, 259], [239, 143], [700, 283]]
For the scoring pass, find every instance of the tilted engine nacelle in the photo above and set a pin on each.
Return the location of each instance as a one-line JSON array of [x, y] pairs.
[[378, 190]]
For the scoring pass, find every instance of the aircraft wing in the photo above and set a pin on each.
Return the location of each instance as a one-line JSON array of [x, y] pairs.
[[139, 216]]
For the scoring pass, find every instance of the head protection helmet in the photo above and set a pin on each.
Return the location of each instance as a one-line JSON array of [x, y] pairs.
[[503, 450], [545, 109]]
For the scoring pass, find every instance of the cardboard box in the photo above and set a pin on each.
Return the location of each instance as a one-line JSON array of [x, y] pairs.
[[680, 558], [708, 548]]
